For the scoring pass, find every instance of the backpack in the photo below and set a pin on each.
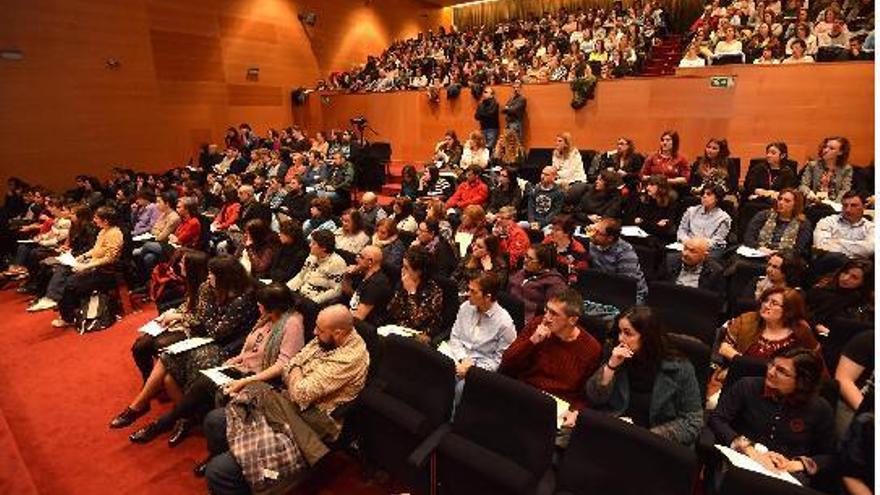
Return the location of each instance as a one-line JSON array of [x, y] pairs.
[[97, 312]]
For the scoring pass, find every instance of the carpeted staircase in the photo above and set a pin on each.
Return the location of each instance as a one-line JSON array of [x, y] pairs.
[[664, 57]]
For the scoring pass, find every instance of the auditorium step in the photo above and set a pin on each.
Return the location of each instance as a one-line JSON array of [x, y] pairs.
[[664, 58]]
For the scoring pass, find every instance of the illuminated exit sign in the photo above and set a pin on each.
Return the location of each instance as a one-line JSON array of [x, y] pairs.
[[721, 82]]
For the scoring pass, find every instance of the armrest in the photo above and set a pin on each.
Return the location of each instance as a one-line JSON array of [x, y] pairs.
[[422, 452]]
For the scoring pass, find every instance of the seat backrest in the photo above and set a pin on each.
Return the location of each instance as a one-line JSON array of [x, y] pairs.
[[419, 376], [698, 353], [742, 482], [515, 308], [450, 302], [742, 367], [603, 450], [687, 310], [733, 170], [309, 311], [508, 417], [607, 288], [537, 159], [842, 331]]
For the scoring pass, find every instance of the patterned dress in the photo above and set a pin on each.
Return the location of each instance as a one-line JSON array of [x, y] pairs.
[[225, 324]]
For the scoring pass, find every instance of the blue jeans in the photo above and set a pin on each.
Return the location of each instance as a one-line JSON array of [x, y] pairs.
[[149, 255], [491, 136]]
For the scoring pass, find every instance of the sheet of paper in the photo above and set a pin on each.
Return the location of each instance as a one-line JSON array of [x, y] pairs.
[[146, 236], [580, 232], [67, 259], [152, 328], [463, 239], [749, 252], [386, 330], [217, 376], [444, 349], [633, 231], [27, 241], [743, 461], [837, 207], [675, 246], [562, 407], [188, 344], [266, 281]]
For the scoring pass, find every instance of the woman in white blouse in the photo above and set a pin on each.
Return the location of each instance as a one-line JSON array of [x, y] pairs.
[[567, 162]]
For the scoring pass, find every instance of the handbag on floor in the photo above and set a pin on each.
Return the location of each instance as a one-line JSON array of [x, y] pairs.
[[97, 312]]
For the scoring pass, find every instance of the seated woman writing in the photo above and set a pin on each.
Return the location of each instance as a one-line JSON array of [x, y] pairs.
[[647, 382], [779, 324], [92, 268], [276, 337], [236, 312], [778, 420]]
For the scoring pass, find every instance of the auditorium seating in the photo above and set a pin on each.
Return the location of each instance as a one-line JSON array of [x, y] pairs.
[[491, 447]]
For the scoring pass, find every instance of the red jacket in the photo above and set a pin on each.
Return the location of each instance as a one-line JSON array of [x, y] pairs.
[[227, 216], [467, 195], [189, 232], [515, 244]]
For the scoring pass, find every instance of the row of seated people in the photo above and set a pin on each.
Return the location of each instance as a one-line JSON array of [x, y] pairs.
[[762, 34], [324, 272], [557, 46]]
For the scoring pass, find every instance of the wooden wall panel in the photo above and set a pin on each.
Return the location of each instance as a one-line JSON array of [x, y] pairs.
[[187, 57], [240, 27], [797, 104], [254, 96]]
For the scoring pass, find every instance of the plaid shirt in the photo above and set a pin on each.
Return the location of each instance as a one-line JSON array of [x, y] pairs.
[[329, 378]]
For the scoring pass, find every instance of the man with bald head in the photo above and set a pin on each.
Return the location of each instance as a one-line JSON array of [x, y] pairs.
[[329, 371], [695, 268], [545, 200], [368, 286], [370, 211]]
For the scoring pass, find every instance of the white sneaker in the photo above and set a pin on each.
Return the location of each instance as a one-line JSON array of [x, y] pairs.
[[43, 304], [60, 323]]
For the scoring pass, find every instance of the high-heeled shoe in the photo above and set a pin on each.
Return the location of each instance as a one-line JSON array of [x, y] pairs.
[[179, 432]]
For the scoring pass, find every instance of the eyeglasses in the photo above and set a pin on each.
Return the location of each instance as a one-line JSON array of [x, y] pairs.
[[779, 370]]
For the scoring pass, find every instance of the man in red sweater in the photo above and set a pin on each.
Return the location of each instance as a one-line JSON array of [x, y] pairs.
[[552, 353], [472, 191]]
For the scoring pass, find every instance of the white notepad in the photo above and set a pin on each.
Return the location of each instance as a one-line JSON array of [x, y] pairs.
[[562, 408], [66, 259], [743, 461], [217, 376], [386, 330], [152, 328], [444, 349], [675, 246], [188, 344], [633, 231], [146, 236], [750, 253]]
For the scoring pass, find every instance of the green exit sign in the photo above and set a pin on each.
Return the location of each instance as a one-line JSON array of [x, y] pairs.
[[721, 82]]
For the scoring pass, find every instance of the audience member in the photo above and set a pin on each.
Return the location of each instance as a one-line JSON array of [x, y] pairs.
[[646, 382], [696, 269], [611, 254], [418, 298], [368, 287], [320, 279]]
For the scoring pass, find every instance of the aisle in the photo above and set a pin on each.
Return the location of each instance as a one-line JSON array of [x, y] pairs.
[[59, 390]]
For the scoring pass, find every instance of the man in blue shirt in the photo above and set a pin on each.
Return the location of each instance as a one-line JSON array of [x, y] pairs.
[[611, 254]]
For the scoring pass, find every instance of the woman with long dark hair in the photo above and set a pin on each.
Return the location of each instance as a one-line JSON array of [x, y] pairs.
[[645, 380], [656, 209], [847, 293], [667, 161]]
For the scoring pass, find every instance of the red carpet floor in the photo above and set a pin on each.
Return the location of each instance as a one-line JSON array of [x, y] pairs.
[[59, 390]]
